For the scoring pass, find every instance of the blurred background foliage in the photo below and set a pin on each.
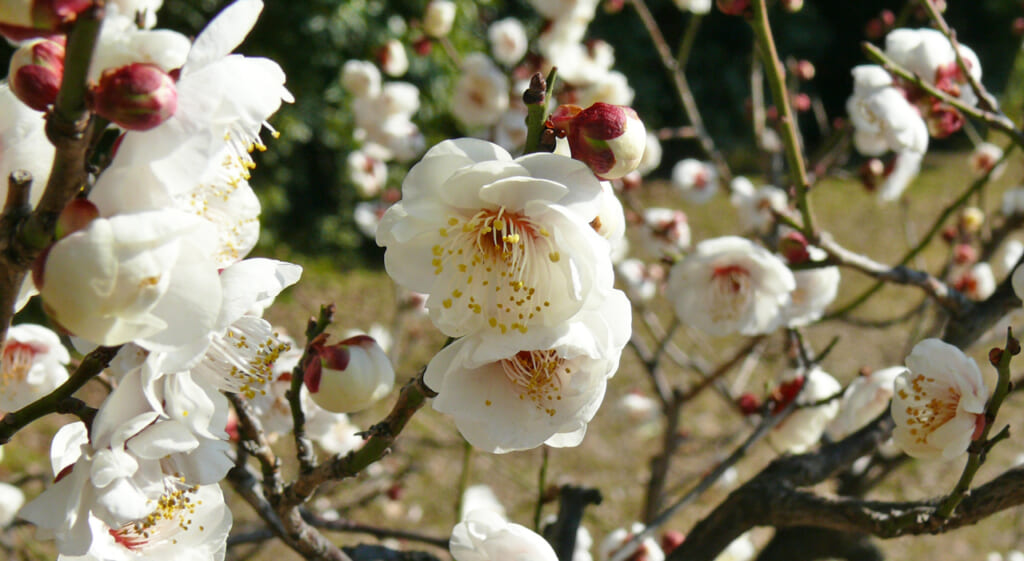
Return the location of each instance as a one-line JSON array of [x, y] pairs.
[[302, 181]]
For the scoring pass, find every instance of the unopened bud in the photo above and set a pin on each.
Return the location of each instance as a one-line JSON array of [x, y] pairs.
[[76, 216], [801, 102], [136, 97], [793, 246], [36, 71], [438, 18], [971, 219], [28, 19], [1018, 26], [734, 7], [872, 172], [349, 376], [792, 6], [949, 234], [392, 58], [610, 139], [749, 404], [804, 70], [964, 254]]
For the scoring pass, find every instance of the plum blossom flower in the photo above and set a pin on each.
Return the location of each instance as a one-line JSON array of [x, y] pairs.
[[984, 158], [665, 231], [729, 285], [361, 78], [393, 59], [939, 401], [757, 207], [439, 17], [481, 93], [641, 279], [864, 399], [508, 40], [524, 390], [350, 375], [142, 276], [11, 500], [977, 282], [930, 55], [367, 173], [696, 180], [497, 243], [648, 549], [695, 6], [652, 155], [23, 143], [486, 536], [803, 427], [480, 498], [32, 364], [815, 289], [610, 87]]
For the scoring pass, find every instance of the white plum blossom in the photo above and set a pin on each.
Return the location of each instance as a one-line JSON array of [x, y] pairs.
[[930, 55], [367, 174], [23, 143], [350, 375], [481, 94], [486, 536], [977, 282], [480, 498], [135, 8], [740, 549], [367, 215], [729, 285], [652, 155], [393, 58], [864, 399], [121, 43], [11, 500], [439, 17], [510, 130], [614, 542], [498, 244], [641, 279], [984, 158], [695, 6], [665, 231], [696, 180], [816, 288], [32, 364], [939, 401], [1013, 201], [133, 277], [361, 78], [757, 207], [542, 387], [508, 40], [1010, 255], [802, 428], [611, 87]]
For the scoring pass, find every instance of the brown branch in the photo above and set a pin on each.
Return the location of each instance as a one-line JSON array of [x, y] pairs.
[[314, 335]]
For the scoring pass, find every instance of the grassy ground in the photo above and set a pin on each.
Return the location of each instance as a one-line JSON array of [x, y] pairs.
[[614, 457]]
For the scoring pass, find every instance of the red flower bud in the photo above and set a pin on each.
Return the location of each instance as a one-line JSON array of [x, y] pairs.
[[610, 139], [749, 404], [36, 71], [793, 246], [964, 254], [734, 7], [38, 18], [137, 97], [671, 540]]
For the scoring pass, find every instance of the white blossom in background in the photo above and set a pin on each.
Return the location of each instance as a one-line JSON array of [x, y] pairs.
[[367, 173], [480, 498], [865, 398], [652, 155], [905, 168], [665, 231], [499, 244], [1013, 201], [23, 143], [11, 500], [614, 541], [508, 40], [816, 288], [984, 158], [729, 285], [641, 279], [132, 8], [510, 130], [439, 17], [367, 215], [804, 426], [939, 402], [612, 88], [121, 43], [696, 180], [480, 95], [361, 78], [393, 59], [522, 390], [977, 282], [930, 55], [1010, 254], [642, 412], [484, 536], [695, 6], [383, 122], [610, 222], [756, 206], [32, 364]]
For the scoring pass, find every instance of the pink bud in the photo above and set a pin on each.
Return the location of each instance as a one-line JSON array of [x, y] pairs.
[[30, 19], [137, 97], [671, 540], [793, 246], [349, 376], [1018, 26], [76, 216], [964, 254], [944, 120], [734, 7], [804, 70], [749, 403], [801, 102], [610, 139], [36, 71]]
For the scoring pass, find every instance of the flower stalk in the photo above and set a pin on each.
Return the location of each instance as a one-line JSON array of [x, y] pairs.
[[536, 98]]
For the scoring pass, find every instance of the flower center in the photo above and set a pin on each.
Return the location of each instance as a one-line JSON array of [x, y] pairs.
[[494, 259], [172, 515], [729, 286], [929, 410], [242, 360], [16, 363], [538, 375]]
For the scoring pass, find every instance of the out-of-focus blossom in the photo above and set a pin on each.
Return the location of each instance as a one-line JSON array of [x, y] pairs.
[[696, 180], [642, 280], [510, 130], [360, 78], [612, 88], [367, 173], [11, 501], [1013, 201], [439, 17], [984, 158], [484, 535], [804, 426], [350, 375], [929, 54], [1009, 256], [695, 6], [729, 285], [480, 96], [816, 288], [756, 208], [977, 282], [23, 143], [32, 364], [939, 402], [652, 155], [864, 399], [393, 58], [665, 231], [508, 40], [480, 498]]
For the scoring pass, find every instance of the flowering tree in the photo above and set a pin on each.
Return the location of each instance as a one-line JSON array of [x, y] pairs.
[[129, 216]]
